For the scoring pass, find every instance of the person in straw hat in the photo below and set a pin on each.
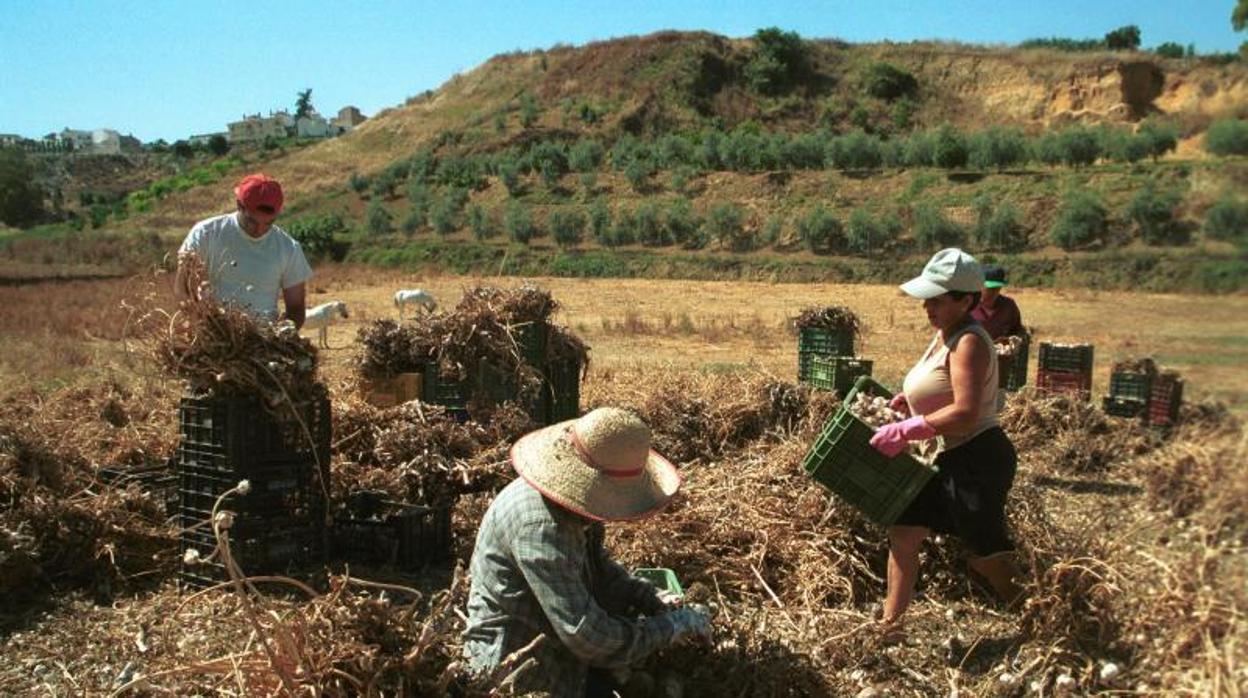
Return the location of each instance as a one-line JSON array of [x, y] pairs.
[[952, 393], [539, 567]]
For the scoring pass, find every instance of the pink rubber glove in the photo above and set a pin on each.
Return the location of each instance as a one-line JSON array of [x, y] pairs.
[[899, 403], [891, 439]]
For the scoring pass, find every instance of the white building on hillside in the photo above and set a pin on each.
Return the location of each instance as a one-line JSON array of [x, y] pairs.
[[348, 118], [312, 125]]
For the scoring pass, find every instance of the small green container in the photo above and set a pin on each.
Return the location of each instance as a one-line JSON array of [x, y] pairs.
[[1131, 384], [838, 373], [820, 341], [843, 460], [660, 578]]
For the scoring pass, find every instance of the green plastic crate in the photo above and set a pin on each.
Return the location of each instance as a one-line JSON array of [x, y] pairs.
[[437, 390], [842, 460], [1131, 384], [660, 578], [820, 341], [838, 373], [531, 339]]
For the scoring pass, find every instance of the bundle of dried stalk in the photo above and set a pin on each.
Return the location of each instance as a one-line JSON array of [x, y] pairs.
[[1144, 365], [420, 453], [486, 329], [832, 317], [222, 351]]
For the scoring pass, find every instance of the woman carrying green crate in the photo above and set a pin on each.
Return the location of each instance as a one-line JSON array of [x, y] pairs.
[[952, 393]]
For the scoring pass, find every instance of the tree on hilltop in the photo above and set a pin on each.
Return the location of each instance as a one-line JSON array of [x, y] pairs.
[[779, 61], [303, 103], [1123, 38], [1239, 16]]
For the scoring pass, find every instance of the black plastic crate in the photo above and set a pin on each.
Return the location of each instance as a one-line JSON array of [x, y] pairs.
[[406, 536], [1066, 358], [448, 392], [564, 381], [1012, 370], [290, 489], [1124, 406], [532, 338], [496, 386], [258, 550], [240, 431]]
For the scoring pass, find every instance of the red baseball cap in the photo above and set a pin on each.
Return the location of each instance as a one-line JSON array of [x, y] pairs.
[[260, 194]]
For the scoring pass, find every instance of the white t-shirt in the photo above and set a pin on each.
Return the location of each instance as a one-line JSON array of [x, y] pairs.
[[246, 271]]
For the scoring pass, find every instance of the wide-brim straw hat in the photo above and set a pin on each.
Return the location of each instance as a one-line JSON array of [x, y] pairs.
[[600, 466]]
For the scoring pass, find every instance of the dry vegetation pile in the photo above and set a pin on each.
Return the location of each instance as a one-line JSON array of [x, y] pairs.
[[833, 317], [488, 328], [1133, 557], [220, 350]]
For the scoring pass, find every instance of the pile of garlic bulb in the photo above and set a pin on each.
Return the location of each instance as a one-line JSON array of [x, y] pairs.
[[874, 410], [1009, 346]]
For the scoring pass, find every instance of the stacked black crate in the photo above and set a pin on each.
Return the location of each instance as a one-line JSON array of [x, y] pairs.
[[278, 519]]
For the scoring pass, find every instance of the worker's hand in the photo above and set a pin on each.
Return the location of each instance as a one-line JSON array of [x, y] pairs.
[[891, 439], [669, 599], [899, 403], [689, 624]]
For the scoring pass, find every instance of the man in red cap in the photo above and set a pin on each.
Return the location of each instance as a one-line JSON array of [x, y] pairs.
[[248, 260]]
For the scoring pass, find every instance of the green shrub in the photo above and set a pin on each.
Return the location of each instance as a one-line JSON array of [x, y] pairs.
[[1169, 49], [318, 235], [1228, 220], [624, 231], [773, 228], [480, 222], [855, 150], [529, 109], [550, 160], [1153, 214], [674, 150], [518, 222], [650, 230], [1081, 220], [638, 173], [998, 227], [866, 234], [997, 147], [413, 222], [1121, 145], [682, 225], [778, 63], [586, 155], [902, 113], [933, 231], [509, 174], [567, 226], [444, 216], [1227, 137], [1161, 137], [820, 230], [1048, 148], [726, 224], [1123, 38], [384, 184], [1079, 146], [888, 82], [600, 223], [949, 148], [378, 219]]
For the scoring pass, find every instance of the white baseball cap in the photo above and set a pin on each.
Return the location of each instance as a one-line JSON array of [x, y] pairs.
[[948, 270]]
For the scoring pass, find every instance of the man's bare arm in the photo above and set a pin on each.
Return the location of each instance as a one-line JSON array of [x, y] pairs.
[[296, 300]]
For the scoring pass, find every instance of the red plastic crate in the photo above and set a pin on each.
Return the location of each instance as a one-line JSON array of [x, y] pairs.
[[1164, 399], [1078, 383]]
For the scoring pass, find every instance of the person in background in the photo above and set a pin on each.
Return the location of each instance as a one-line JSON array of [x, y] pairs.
[[539, 567], [952, 393], [248, 260], [997, 313]]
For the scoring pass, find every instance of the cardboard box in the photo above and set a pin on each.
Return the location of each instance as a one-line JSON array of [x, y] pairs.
[[393, 391]]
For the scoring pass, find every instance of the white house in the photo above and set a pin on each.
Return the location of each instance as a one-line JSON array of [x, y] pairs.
[[312, 125]]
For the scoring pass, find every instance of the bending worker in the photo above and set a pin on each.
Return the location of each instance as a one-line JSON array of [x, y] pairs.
[[952, 393], [539, 567], [997, 313], [249, 261]]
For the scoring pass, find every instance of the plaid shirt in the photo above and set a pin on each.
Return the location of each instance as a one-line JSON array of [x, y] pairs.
[[539, 569]]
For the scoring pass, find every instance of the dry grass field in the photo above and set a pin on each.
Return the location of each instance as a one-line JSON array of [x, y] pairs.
[[1132, 540], [718, 326]]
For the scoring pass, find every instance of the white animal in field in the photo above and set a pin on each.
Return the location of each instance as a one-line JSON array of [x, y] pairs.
[[414, 296], [321, 317]]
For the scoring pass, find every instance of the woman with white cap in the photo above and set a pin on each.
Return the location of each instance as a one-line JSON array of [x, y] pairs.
[[539, 567], [952, 393]]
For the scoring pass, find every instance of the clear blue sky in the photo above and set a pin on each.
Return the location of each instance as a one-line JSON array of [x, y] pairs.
[[171, 68]]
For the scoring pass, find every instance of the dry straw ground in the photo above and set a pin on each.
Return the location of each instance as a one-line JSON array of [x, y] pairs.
[[1133, 540]]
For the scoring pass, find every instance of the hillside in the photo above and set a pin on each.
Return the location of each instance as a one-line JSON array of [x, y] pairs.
[[496, 145]]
